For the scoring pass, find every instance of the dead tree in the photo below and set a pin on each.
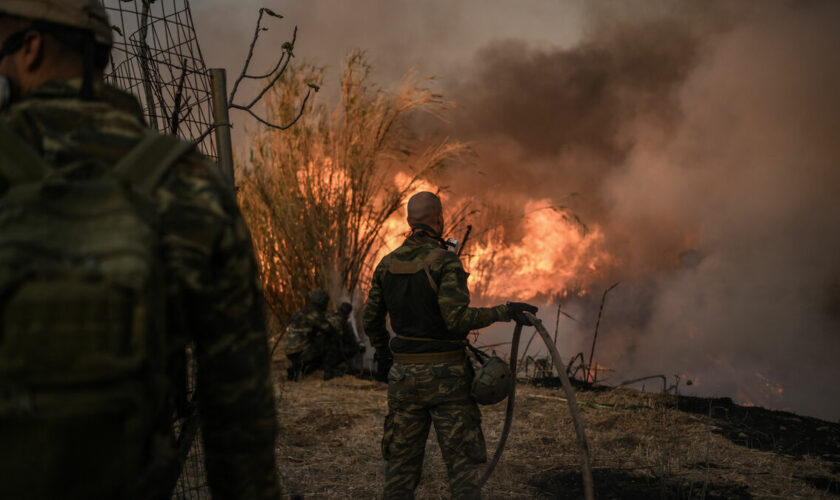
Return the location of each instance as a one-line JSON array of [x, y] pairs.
[[272, 77]]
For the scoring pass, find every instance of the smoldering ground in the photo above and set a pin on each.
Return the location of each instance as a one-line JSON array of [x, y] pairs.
[[705, 145]]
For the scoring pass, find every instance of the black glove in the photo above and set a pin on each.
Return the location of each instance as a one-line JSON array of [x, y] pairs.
[[516, 310], [384, 359]]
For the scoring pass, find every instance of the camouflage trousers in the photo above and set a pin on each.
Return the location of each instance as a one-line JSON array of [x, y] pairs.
[[420, 395]]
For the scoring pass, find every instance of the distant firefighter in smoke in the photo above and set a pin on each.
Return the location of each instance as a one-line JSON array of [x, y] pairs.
[[423, 287], [347, 342], [312, 342]]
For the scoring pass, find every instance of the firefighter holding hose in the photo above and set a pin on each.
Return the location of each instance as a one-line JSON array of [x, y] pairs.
[[423, 288]]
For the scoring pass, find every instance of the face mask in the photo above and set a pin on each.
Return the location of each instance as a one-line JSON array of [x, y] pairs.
[[7, 92]]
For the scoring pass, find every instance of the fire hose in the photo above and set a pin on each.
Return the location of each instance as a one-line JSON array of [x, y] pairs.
[[586, 470], [514, 348]]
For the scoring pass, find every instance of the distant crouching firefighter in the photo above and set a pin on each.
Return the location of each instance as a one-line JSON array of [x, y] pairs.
[[348, 343], [423, 287], [311, 341]]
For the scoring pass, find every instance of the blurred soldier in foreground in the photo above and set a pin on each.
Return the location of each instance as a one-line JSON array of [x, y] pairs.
[[118, 246], [348, 344], [311, 341], [423, 288]]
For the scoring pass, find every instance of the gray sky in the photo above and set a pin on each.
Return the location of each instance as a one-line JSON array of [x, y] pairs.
[[432, 36]]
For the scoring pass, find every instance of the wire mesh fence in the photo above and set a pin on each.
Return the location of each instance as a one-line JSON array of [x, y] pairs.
[[157, 58]]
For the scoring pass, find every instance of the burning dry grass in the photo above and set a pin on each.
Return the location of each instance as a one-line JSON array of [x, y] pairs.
[[642, 446]]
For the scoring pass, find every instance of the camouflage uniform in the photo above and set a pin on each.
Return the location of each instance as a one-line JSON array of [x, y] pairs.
[[214, 298], [311, 342], [430, 379], [348, 344]]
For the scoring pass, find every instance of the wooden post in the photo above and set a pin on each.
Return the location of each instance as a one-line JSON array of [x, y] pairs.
[[224, 143]]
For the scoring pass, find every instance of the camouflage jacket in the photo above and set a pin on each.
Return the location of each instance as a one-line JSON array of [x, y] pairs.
[[342, 326], [347, 338], [306, 329], [314, 322], [453, 299], [214, 294]]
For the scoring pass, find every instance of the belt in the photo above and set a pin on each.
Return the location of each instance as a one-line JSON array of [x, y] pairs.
[[429, 357], [429, 339]]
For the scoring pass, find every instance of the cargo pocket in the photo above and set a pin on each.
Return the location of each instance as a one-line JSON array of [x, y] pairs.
[[473, 445], [388, 436], [451, 382], [396, 373], [396, 383]]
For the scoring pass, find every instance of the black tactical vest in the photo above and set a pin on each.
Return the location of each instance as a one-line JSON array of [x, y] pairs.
[[411, 297]]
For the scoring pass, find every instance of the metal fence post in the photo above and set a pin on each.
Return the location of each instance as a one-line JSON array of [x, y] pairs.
[[224, 143]]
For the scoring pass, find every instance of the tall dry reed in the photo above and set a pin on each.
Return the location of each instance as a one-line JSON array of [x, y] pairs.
[[317, 197]]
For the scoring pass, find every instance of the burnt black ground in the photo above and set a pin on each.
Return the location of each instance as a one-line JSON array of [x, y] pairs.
[[752, 427], [613, 484]]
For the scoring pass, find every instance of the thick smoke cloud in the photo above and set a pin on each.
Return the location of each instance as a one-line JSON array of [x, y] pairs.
[[706, 147], [751, 172]]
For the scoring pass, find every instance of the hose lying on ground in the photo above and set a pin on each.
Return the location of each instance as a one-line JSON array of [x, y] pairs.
[[588, 485]]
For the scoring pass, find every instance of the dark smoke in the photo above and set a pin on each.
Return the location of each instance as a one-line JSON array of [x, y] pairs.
[[559, 122], [706, 146]]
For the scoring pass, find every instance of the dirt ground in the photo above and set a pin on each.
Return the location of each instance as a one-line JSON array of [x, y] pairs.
[[642, 445]]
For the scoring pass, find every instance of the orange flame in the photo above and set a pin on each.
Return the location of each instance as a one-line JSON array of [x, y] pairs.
[[556, 254]]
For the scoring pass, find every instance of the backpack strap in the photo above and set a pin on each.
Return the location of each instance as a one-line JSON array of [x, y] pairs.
[[145, 165], [478, 353], [430, 258], [396, 266], [19, 162]]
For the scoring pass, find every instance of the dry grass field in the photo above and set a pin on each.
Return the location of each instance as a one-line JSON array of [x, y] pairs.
[[643, 445]]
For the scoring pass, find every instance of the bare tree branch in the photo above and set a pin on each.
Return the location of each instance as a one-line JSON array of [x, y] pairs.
[[175, 119], [207, 132], [272, 125], [595, 337], [273, 76], [250, 56], [278, 72]]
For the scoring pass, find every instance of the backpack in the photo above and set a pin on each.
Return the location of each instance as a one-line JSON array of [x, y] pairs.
[[85, 403]]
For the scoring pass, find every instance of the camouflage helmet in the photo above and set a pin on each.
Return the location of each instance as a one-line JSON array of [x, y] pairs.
[[345, 308], [84, 15], [492, 382], [319, 298]]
